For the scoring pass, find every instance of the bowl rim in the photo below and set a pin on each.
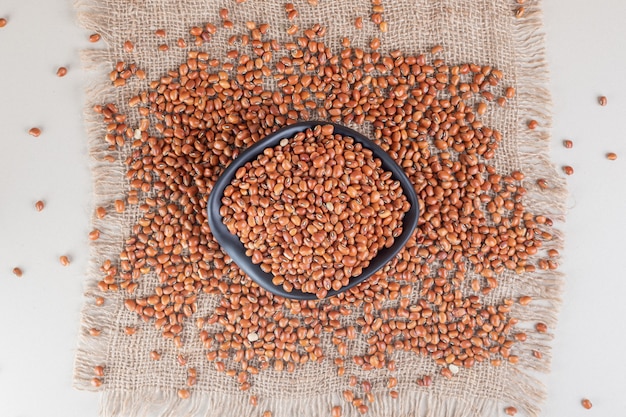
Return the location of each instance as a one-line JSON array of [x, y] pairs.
[[235, 249]]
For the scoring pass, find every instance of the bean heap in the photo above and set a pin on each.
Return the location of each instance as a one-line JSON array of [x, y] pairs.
[[425, 113], [314, 210]]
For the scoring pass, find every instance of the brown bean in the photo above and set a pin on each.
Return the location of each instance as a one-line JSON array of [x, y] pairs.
[[509, 93], [128, 46], [39, 205], [358, 22], [120, 206], [436, 49], [568, 170], [183, 394], [3, 22], [61, 72], [94, 37], [541, 327], [586, 403], [336, 411], [94, 234], [611, 156], [532, 124], [511, 411], [96, 382], [65, 261], [34, 131], [17, 272], [100, 212], [568, 143], [520, 12], [348, 396], [602, 100]]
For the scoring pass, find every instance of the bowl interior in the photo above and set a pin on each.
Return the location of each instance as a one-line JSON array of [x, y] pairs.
[[235, 249]]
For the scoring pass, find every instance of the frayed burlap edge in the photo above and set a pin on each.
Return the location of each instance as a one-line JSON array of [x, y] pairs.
[[527, 392]]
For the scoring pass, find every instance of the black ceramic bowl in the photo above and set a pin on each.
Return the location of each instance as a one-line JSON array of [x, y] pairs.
[[235, 249]]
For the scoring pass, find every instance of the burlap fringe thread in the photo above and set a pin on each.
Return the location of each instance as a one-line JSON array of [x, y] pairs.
[[526, 393]]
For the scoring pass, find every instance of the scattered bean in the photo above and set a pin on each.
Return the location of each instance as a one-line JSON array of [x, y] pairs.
[[602, 100], [34, 131], [568, 143], [94, 234], [94, 37], [61, 72], [511, 411], [39, 205], [586, 403], [568, 170], [120, 206], [532, 124], [611, 156], [509, 93], [436, 49], [17, 272], [184, 393], [98, 370], [100, 212], [65, 261]]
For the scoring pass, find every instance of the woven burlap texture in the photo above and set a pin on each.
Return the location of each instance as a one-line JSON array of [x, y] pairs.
[[479, 31]]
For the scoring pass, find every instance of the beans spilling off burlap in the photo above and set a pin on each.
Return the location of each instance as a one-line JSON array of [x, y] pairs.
[[142, 368]]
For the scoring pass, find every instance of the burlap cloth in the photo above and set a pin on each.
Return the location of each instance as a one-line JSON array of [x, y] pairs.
[[478, 31]]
